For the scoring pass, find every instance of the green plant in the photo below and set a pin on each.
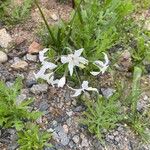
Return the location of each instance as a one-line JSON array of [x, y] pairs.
[[136, 120], [94, 26], [103, 114], [12, 13], [12, 112], [33, 139]]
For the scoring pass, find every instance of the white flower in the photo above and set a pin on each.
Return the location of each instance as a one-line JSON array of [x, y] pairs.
[[42, 53], [49, 77], [84, 87], [74, 60], [101, 65], [62, 82]]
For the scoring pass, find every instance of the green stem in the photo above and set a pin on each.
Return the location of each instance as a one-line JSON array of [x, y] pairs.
[[77, 76], [72, 20], [46, 23]]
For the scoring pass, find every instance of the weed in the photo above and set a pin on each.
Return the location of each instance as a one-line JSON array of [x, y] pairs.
[[93, 26], [12, 14], [32, 138], [134, 119], [103, 114], [13, 113]]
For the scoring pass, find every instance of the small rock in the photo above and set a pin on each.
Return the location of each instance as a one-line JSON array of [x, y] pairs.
[[64, 139], [70, 113], [84, 143], [78, 109], [21, 98], [30, 79], [65, 127], [117, 139], [34, 48], [43, 106], [19, 65], [37, 89], [69, 122], [3, 57], [5, 38], [109, 138], [76, 139], [147, 25], [71, 144], [107, 92], [125, 61], [54, 17], [32, 58]]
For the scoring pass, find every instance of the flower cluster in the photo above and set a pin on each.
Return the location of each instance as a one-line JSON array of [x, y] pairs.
[[72, 60]]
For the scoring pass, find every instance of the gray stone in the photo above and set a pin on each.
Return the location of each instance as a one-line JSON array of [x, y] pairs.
[[5, 38], [107, 92], [32, 58], [21, 98], [20, 65], [43, 106], [30, 79], [63, 137], [69, 113], [39, 88], [71, 144], [76, 139], [3, 57], [84, 143], [78, 109]]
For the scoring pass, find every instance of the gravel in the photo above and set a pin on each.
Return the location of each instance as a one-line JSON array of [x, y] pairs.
[[39, 88], [3, 57]]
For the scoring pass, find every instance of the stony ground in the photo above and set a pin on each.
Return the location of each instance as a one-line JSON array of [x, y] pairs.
[[62, 113]]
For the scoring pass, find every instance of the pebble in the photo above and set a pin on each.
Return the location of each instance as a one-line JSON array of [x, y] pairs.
[[65, 127], [39, 88], [34, 48], [3, 57], [76, 139], [147, 25], [30, 79], [21, 98], [54, 17], [63, 137], [70, 113], [20, 65], [5, 38], [32, 58], [43, 106], [84, 143], [107, 92]]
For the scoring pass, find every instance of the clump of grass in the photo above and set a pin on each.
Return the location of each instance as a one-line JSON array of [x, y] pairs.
[[104, 114], [94, 26], [13, 113], [136, 120], [31, 138], [12, 13]]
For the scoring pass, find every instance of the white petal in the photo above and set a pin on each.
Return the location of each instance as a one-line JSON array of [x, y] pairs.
[[85, 85], [52, 81], [95, 73], [104, 69], [77, 93], [41, 54], [49, 65], [62, 82], [106, 59], [92, 89], [64, 59], [70, 67], [83, 60], [78, 52], [99, 63]]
